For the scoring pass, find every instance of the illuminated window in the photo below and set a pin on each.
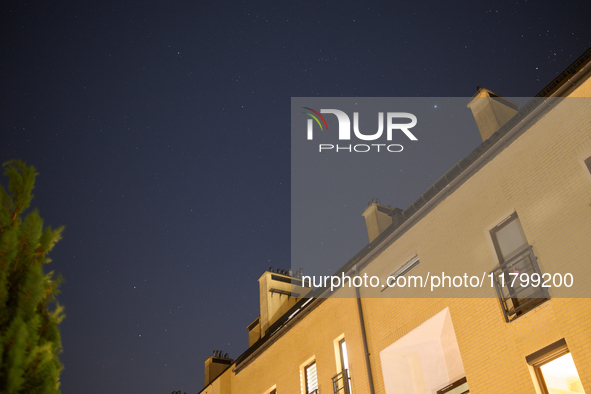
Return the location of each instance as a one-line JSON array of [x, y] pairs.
[[311, 378], [341, 382], [555, 369]]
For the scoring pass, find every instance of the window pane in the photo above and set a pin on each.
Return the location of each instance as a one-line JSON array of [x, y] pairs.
[[457, 387], [345, 367], [311, 378], [510, 239], [561, 376], [344, 356]]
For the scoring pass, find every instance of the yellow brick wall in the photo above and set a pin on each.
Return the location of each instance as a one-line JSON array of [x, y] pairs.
[[311, 338], [582, 91], [542, 178]]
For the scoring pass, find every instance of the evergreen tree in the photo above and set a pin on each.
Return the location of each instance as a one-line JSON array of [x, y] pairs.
[[29, 313]]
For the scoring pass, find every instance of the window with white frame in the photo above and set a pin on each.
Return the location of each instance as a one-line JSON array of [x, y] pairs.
[[311, 377], [343, 354], [341, 382]]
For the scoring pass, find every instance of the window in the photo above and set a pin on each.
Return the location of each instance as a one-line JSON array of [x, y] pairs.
[[555, 369], [514, 277], [311, 378], [403, 270], [406, 267], [343, 353], [458, 387], [341, 382], [424, 359], [508, 238]]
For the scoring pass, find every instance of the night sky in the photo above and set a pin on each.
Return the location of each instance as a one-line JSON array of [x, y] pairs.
[[161, 133]]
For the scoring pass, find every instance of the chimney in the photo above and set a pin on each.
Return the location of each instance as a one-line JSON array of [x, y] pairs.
[[491, 111], [379, 217], [254, 331], [215, 365], [278, 292]]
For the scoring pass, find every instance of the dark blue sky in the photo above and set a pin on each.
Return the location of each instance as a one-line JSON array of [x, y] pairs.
[[161, 133]]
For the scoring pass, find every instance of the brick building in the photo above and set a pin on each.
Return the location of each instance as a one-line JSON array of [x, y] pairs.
[[521, 202]]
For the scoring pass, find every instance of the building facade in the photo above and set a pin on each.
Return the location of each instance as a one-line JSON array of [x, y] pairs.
[[520, 203]]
